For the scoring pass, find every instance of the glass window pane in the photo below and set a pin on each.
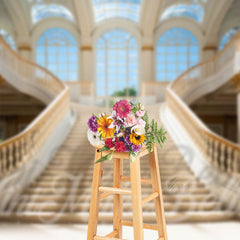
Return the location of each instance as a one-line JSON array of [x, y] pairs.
[[104, 9], [59, 53], [227, 37], [194, 11], [41, 11], [114, 62], [177, 50], [8, 39]]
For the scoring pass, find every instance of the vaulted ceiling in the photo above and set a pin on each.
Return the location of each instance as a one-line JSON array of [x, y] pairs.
[[87, 15]]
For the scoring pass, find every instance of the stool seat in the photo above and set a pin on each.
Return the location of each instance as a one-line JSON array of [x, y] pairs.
[[123, 155], [100, 192]]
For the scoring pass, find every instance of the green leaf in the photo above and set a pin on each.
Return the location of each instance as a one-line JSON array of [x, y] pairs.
[[104, 148], [107, 157]]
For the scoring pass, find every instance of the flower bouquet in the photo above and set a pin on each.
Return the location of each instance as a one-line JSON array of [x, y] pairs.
[[127, 129]]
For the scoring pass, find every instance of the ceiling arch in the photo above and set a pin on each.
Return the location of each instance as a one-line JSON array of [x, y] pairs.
[[42, 11], [109, 9], [192, 11], [19, 19], [84, 17], [214, 20], [192, 26], [48, 23], [117, 23]]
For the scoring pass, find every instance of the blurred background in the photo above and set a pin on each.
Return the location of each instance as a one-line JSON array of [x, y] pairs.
[[62, 60]]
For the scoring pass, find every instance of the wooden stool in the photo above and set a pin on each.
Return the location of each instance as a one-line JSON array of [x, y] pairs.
[[99, 192]]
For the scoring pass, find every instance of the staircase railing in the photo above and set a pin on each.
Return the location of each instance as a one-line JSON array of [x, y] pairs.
[[19, 149], [222, 153]]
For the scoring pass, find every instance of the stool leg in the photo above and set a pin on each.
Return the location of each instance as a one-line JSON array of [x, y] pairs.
[[156, 184], [94, 207], [117, 198], [136, 199]]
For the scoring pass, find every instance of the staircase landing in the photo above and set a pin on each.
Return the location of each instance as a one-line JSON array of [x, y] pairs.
[[62, 193]]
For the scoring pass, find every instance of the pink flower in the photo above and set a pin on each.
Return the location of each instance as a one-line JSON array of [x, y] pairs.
[[122, 108], [140, 113], [130, 120], [141, 122]]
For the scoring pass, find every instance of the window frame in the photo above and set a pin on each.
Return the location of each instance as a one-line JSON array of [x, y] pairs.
[[168, 14], [67, 15], [131, 11], [37, 38], [127, 71], [161, 32], [235, 30]]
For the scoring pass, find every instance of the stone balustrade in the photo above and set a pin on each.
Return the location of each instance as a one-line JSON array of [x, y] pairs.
[[21, 148]]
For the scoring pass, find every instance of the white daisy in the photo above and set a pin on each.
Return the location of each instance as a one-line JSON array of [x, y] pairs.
[[138, 129], [94, 138]]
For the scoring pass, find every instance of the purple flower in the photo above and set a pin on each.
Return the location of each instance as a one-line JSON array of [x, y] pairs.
[[126, 149], [136, 148], [92, 124], [127, 140]]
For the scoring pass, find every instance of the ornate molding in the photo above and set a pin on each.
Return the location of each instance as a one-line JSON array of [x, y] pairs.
[[147, 48], [212, 48], [24, 48], [86, 48], [236, 81]]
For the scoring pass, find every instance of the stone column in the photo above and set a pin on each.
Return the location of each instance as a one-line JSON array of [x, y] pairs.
[[236, 81], [147, 63], [87, 70], [208, 52], [25, 51], [87, 65], [146, 70]]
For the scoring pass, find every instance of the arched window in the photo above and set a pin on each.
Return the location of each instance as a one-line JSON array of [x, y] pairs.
[[57, 50], [177, 50], [194, 11], [226, 38], [117, 64], [105, 9], [41, 11], [8, 39]]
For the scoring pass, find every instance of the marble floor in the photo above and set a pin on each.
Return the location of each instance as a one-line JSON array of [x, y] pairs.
[[203, 231]]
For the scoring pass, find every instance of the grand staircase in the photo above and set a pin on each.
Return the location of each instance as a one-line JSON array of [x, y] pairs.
[[62, 192]]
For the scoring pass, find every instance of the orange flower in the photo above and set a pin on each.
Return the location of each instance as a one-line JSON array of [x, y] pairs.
[[104, 129]]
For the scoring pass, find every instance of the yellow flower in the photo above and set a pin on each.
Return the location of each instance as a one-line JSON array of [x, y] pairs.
[[104, 129], [137, 139]]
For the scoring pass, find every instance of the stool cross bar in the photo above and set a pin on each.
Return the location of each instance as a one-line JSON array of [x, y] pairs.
[[100, 192]]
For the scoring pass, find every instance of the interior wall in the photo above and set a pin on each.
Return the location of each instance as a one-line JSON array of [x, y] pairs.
[[12, 125], [225, 126]]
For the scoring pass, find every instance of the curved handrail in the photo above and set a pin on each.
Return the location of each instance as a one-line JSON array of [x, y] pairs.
[[221, 152], [19, 149], [57, 81]]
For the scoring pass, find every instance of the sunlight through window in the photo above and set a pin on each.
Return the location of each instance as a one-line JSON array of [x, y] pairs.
[[42, 11], [105, 9], [177, 50], [57, 50], [194, 11], [8, 39], [227, 37], [117, 63]]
